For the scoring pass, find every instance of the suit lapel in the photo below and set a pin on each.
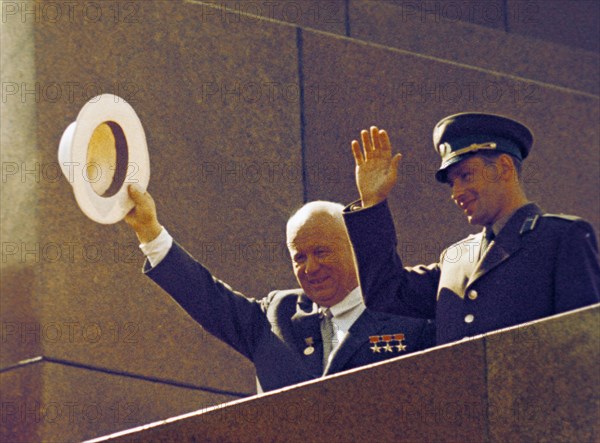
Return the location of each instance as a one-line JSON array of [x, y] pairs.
[[306, 324], [357, 337], [507, 242]]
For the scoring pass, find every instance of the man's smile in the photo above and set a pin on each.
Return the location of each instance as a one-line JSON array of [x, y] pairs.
[[318, 281], [467, 207]]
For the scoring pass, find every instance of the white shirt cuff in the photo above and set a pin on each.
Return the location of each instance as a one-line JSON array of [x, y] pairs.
[[158, 248]]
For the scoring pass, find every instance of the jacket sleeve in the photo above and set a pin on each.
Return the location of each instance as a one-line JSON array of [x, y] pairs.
[[577, 273], [225, 313], [386, 284]]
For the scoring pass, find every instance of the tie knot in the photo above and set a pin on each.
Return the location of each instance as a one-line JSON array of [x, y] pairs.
[[325, 313], [489, 234]]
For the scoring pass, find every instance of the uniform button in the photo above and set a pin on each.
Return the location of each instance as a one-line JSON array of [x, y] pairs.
[[469, 318], [473, 294]]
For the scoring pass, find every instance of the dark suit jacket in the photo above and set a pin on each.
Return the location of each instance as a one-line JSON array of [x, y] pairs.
[[274, 331], [537, 266]]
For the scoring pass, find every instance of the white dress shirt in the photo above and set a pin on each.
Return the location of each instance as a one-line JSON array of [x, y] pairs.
[[158, 248]]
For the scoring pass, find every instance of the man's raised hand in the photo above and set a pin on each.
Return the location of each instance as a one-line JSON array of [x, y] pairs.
[[142, 218], [376, 169]]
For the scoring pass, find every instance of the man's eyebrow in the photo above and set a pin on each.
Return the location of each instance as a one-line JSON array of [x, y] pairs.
[[451, 175]]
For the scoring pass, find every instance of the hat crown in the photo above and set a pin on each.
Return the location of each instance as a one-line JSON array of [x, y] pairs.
[[460, 135], [482, 125]]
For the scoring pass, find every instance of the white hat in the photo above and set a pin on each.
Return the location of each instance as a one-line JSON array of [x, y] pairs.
[[101, 154]]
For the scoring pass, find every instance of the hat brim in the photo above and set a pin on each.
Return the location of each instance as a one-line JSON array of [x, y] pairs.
[[442, 173], [74, 146]]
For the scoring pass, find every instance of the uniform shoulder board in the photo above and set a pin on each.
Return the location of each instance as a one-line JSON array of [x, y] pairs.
[[564, 216], [529, 224]]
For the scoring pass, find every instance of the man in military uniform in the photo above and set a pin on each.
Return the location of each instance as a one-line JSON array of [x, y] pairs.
[[524, 265], [291, 335]]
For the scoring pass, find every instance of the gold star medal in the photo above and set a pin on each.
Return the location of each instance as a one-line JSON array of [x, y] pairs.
[[400, 346], [388, 347], [374, 339], [309, 346]]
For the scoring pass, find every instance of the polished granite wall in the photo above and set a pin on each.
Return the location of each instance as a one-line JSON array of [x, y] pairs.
[[533, 382], [248, 113]]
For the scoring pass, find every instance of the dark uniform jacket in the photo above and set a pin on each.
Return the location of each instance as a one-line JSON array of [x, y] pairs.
[[275, 332], [538, 265]]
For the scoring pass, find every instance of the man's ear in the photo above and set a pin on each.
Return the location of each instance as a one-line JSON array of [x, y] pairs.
[[507, 169]]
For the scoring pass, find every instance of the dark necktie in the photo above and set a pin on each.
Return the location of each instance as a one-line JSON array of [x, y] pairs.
[[486, 240]]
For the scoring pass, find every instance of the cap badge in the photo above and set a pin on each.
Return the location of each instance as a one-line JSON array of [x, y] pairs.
[[471, 148]]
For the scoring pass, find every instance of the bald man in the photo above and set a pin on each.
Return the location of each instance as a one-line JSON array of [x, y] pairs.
[[291, 335]]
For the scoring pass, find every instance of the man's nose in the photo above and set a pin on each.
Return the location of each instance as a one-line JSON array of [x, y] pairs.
[[312, 264], [457, 193]]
